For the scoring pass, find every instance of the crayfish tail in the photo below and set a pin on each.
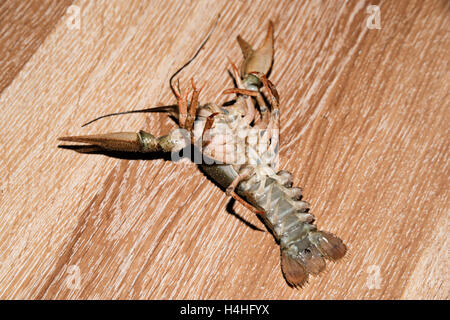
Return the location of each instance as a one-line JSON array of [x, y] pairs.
[[308, 255], [293, 270], [329, 245]]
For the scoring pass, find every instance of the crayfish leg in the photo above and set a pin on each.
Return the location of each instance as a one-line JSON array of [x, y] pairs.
[[182, 101], [245, 203], [241, 91]]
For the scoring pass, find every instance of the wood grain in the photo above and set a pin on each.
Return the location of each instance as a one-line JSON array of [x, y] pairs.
[[24, 26], [365, 127]]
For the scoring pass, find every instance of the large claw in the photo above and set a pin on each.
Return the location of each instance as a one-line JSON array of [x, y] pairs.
[[132, 142], [259, 60], [117, 141]]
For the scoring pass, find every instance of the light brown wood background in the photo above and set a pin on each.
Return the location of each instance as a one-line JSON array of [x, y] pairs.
[[365, 131]]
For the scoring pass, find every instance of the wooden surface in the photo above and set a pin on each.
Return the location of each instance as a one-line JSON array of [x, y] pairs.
[[365, 127]]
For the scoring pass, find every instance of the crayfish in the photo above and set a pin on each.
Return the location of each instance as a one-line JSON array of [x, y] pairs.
[[240, 142]]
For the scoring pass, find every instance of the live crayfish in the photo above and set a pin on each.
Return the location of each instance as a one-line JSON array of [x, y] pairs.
[[242, 141]]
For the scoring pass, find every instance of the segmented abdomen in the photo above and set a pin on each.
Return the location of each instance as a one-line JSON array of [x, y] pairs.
[[303, 248], [284, 211]]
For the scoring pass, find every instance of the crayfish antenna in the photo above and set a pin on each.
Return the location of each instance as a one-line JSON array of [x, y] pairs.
[[259, 60], [171, 110]]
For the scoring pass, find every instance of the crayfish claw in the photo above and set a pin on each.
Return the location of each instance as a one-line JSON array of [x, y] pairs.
[[259, 60], [116, 141], [132, 141]]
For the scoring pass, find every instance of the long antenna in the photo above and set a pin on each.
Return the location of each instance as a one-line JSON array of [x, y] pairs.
[[153, 109], [195, 55], [163, 108]]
